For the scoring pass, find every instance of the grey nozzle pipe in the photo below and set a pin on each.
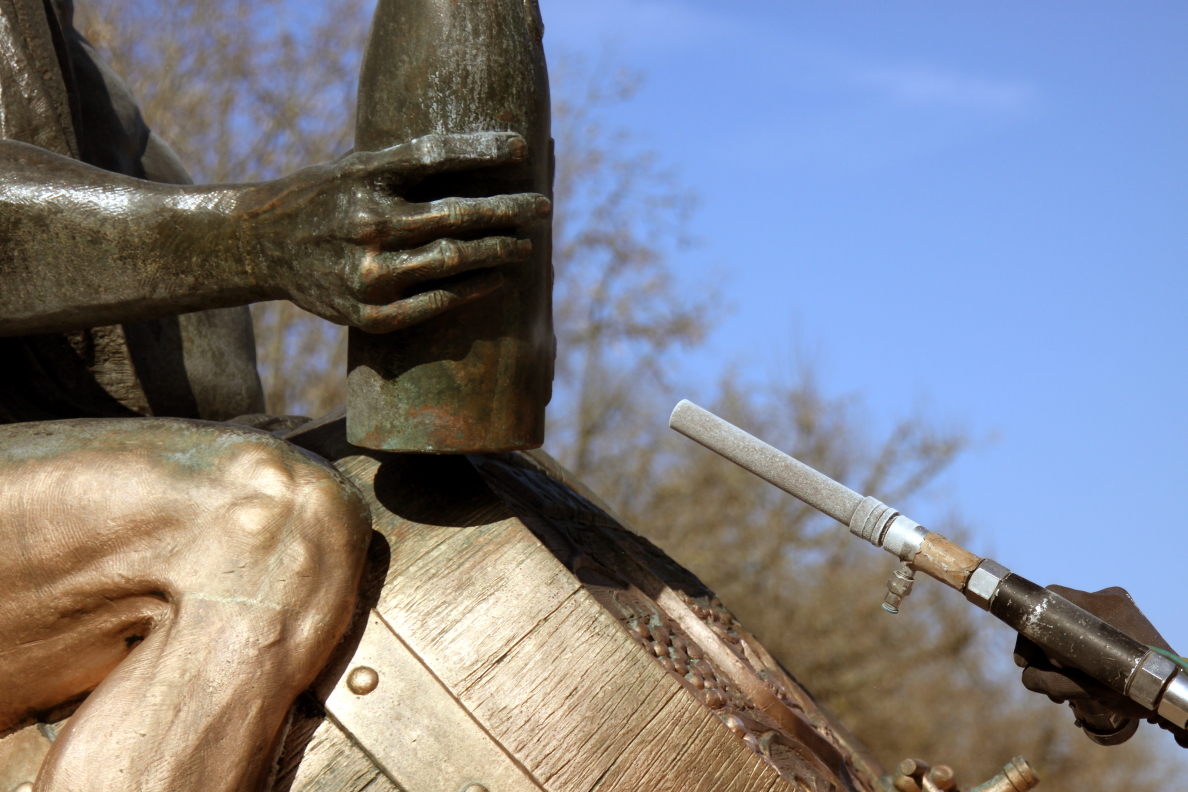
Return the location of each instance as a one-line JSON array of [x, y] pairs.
[[768, 463], [867, 517]]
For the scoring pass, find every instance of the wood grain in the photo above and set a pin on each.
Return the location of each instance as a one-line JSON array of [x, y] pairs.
[[332, 763], [763, 690], [698, 760]]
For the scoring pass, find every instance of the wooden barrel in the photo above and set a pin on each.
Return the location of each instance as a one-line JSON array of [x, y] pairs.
[[514, 635]]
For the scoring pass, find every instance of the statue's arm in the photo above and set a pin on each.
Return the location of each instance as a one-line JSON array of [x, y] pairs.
[[83, 247]]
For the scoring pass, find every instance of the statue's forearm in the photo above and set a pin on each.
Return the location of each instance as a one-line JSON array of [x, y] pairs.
[[82, 247]]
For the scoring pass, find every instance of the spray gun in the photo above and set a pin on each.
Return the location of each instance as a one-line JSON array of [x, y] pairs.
[[1070, 636]]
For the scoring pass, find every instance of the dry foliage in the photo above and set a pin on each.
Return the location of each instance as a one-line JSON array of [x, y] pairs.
[[619, 217], [249, 90]]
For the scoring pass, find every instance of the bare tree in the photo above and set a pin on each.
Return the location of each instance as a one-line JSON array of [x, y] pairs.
[[619, 218], [242, 91], [249, 90]]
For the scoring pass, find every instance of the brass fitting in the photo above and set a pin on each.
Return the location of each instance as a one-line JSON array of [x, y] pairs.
[[899, 585], [1016, 776], [915, 775]]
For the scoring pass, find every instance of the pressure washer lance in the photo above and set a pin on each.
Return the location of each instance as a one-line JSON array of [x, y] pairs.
[[1069, 635]]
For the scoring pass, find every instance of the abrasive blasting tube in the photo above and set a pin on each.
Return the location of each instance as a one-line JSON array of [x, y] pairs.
[[1063, 630], [768, 463]]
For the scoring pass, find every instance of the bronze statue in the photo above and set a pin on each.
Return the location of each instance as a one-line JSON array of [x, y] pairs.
[[193, 575], [228, 558]]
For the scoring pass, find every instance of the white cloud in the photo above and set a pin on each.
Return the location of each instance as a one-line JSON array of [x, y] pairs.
[[928, 86]]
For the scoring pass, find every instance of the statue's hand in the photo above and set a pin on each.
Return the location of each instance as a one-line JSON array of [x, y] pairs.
[[341, 241], [1094, 704]]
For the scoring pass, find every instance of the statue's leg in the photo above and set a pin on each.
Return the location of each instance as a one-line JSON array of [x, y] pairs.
[[199, 574]]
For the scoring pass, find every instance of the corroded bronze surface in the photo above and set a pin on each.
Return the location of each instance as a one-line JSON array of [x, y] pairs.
[[199, 365], [122, 285], [478, 380]]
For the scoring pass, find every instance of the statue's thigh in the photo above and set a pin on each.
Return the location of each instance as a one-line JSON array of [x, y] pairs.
[[101, 522]]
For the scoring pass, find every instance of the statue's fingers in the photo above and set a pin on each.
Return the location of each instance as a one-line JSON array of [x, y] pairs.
[[469, 217], [383, 277], [418, 308], [441, 154]]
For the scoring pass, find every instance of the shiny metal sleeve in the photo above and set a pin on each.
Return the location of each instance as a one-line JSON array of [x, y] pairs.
[[1174, 704], [770, 464]]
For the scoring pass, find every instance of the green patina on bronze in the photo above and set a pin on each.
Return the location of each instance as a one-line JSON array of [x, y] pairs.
[[479, 379]]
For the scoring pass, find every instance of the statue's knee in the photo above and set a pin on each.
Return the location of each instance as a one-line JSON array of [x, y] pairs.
[[282, 508], [335, 520]]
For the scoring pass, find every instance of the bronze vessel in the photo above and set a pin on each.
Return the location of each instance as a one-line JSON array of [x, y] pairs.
[[478, 379]]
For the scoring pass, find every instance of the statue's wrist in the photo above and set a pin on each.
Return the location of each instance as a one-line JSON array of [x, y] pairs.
[[255, 254]]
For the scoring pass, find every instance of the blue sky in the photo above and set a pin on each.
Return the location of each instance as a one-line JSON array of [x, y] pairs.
[[976, 212]]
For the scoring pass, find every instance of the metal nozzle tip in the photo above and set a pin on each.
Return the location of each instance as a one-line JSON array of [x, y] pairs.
[[677, 409]]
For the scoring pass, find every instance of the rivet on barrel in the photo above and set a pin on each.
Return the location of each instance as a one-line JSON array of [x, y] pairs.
[[362, 680]]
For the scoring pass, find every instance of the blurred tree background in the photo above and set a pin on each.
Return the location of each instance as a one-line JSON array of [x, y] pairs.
[[247, 91]]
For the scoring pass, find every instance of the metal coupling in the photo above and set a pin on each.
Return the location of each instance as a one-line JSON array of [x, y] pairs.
[[983, 583], [1101, 724], [1174, 704], [871, 519], [1148, 679], [899, 585], [903, 538]]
